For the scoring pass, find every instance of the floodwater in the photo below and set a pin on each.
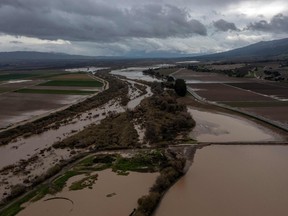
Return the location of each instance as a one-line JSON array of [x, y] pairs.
[[232, 181], [111, 194], [136, 73], [220, 127], [24, 148], [86, 69], [136, 100]]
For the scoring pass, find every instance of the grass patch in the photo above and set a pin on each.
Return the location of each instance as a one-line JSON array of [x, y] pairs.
[[141, 162], [86, 182], [55, 91], [60, 182], [72, 76], [15, 76], [81, 83], [52, 75]]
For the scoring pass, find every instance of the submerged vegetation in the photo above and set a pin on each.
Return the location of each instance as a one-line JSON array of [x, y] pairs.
[[116, 131], [163, 118], [148, 161]]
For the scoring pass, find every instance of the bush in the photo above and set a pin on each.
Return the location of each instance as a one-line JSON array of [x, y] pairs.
[[148, 203]]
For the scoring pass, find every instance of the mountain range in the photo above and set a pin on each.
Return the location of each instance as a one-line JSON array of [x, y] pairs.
[[276, 49]]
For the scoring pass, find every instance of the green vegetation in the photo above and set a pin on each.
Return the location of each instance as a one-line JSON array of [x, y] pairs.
[[55, 91], [15, 76], [180, 87], [59, 183], [81, 83], [84, 183], [141, 162], [51, 74]]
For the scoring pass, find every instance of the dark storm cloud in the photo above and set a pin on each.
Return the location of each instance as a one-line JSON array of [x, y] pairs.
[[224, 26], [278, 24], [88, 20]]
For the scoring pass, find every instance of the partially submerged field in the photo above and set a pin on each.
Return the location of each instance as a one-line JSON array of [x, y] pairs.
[[25, 95], [261, 98]]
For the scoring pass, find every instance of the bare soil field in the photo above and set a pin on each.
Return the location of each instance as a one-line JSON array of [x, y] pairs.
[[278, 114], [221, 92], [18, 107], [226, 66], [259, 97], [66, 88], [19, 84], [203, 77], [265, 88]]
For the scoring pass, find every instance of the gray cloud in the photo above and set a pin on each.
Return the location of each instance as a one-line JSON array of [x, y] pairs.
[[278, 24], [224, 26], [15, 42], [94, 21]]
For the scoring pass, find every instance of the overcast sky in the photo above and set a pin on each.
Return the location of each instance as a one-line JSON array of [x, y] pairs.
[[125, 27]]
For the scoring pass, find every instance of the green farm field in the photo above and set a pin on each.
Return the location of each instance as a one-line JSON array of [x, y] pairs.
[[28, 93], [82, 83], [54, 91]]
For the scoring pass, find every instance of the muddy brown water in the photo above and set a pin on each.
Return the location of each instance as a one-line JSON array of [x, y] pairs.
[[111, 194], [24, 148], [232, 180], [222, 127]]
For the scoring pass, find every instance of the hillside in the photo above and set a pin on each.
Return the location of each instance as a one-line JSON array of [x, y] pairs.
[[276, 49]]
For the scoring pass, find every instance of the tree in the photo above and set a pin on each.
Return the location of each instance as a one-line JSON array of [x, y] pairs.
[[180, 87]]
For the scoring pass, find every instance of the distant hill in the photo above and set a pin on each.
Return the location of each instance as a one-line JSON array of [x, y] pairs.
[[264, 50]]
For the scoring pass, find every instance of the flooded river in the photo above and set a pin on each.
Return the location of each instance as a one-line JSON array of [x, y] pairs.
[[111, 194], [232, 180]]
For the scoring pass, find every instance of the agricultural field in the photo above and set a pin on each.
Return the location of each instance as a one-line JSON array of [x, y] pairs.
[[261, 98], [30, 94]]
